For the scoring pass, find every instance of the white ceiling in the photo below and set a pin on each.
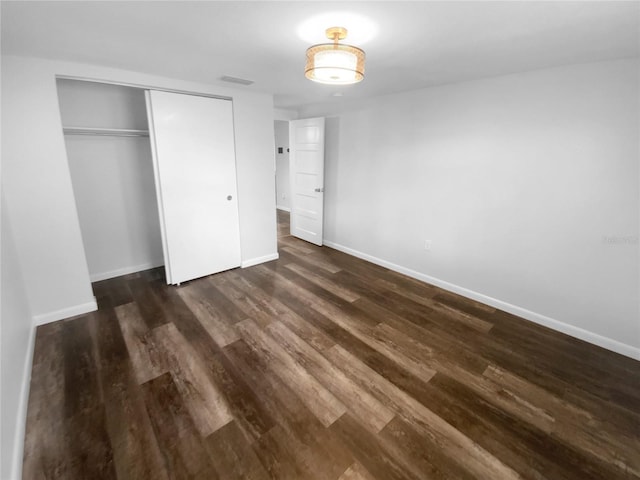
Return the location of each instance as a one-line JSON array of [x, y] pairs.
[[414, 44]]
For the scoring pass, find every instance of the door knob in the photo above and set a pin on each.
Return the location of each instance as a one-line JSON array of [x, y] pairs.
[[319, 189], [229, 197]]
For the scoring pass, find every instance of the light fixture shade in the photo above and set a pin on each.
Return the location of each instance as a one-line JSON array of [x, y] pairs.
[[335, 64]]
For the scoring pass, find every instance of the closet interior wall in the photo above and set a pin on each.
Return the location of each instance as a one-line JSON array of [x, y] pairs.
[[112, 175]]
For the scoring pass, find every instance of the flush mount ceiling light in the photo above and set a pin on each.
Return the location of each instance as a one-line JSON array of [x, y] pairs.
[[335, 63]]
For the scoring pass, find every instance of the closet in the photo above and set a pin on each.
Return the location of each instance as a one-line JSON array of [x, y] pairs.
[[154, 179]]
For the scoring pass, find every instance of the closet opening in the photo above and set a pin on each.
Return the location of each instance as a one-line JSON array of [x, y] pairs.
[[109, 153]]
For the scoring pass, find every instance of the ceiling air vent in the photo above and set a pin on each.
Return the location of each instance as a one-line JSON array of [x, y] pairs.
[[241, 81]]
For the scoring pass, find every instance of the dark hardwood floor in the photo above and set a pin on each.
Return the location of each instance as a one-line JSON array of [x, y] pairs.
[[283, 223], [321, 366]]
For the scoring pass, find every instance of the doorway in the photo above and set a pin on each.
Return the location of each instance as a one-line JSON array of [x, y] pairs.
[[283, 184], [300, 176]]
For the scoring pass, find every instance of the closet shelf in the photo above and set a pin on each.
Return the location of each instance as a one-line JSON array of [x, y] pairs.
[[112, 132]]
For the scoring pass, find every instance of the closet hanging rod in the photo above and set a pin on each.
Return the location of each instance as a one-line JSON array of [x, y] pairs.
[[111, 132]]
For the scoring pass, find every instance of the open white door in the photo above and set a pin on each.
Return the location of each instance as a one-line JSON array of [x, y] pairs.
[[306, 138], [194, 160]]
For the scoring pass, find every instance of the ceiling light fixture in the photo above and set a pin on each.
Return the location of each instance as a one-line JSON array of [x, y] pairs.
[[335, 63]]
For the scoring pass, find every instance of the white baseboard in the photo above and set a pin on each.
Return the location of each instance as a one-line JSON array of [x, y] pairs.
[[96, 277], [280, 207], [21, 414], [65, 312], [258, 260], [577, 332]]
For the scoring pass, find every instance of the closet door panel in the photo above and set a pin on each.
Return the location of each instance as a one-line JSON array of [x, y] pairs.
[[194, 157]]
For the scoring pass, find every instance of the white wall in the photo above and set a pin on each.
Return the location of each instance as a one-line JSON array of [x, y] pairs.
[[38, 183], [112, 178], [283, 184], [16, 336], [526, 185], [284, 114], [255, 146]]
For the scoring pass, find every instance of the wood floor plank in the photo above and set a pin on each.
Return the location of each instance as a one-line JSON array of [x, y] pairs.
[[145, 356], [296, 244], [477, 460], [596, 436], [415, 312], [107, 336], [534, 369], [232, 455], [369, 450], [81, 384], [369, 411], [354, 265], [424, 296], [245, 406], [561, 460], [203, 399], [420, 454], [444, 350], [463, 317], [147, 302], [481, 422], [356, 472], [228, 309], [318, 293], [277, 283], [114, 292], [390, 370], [312, 260], [321, 366], [463, 303], [277, 457], [88, 453], [180, 443], [208, 315], [283, 223], [327, 284], [44, 447], [214, 372], [297, 429], [135, 449], [407, 287], [255, 305], [612, 387], [359, 330], [324, 405]]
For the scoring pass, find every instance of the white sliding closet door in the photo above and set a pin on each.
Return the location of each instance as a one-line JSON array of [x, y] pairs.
[[195, 170]]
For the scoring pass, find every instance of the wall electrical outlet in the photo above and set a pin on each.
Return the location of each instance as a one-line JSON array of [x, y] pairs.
[[427, 245], [284, 196]]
